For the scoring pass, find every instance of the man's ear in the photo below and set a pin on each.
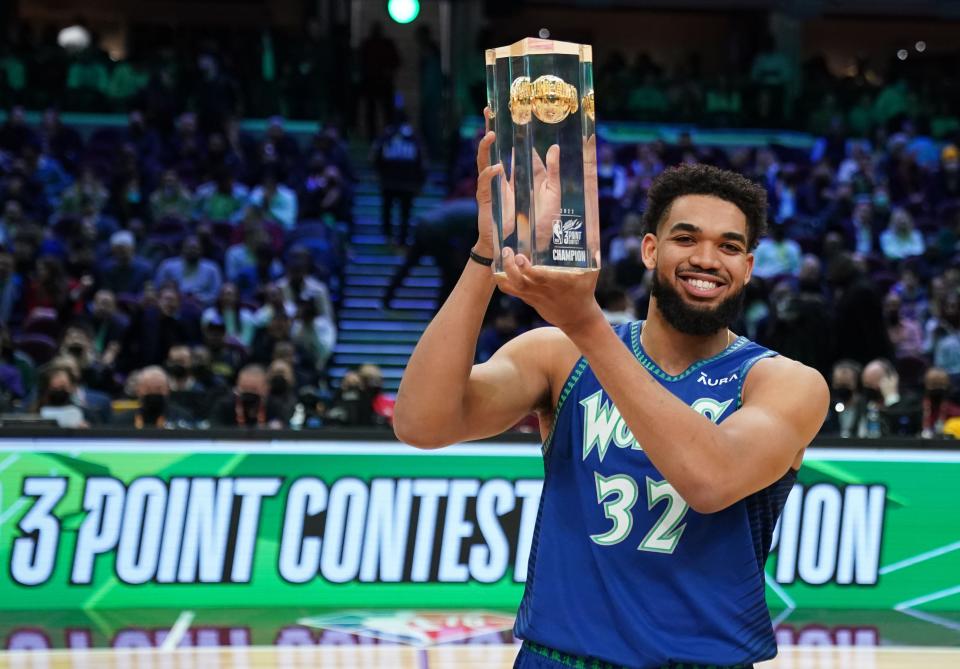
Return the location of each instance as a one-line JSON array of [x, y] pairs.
[[749, 268], [648, 251]]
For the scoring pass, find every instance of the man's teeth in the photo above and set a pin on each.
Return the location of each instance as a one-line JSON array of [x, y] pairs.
[[702, 285]]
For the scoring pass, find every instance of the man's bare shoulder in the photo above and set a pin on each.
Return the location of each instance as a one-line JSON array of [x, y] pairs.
[[781, 371], [783, 380]]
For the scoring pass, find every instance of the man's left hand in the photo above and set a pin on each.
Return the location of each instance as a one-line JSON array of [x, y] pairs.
[[562, 298]]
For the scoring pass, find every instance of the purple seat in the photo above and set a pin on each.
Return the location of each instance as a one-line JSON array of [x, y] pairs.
[[42, 321], [39, 347]]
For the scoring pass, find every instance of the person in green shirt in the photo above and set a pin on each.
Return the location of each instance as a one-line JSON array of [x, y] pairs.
[[172, 199], [222, 199]]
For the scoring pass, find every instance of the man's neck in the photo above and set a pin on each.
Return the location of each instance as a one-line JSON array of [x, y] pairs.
[[674, 351]]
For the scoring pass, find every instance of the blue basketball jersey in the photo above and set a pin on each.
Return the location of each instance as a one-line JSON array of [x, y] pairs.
[[621, 569]]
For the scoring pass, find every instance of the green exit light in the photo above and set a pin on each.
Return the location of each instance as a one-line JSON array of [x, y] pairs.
[[403, 11]]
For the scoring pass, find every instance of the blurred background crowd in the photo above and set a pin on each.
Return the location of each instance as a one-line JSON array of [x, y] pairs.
[[166, 263]]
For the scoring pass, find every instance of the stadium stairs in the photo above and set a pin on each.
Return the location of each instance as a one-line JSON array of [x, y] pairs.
[[369, 332]]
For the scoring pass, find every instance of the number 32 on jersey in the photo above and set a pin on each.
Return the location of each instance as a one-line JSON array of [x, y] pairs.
[[618, 494]]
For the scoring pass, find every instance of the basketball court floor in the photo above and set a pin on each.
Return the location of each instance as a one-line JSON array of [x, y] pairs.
[[275, 638]]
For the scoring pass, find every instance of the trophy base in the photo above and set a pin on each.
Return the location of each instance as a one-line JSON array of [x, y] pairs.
[[563, 270]]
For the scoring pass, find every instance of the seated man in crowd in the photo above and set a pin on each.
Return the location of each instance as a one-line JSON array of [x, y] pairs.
[[156, 411], [125, 272], [250, 404], [899, 415], [192, 274]]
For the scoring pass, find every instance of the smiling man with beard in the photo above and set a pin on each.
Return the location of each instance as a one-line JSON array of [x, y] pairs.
[[670, 444]]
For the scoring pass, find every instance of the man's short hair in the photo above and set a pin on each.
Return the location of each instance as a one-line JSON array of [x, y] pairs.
[[847, 363], [888, 368], [252, 368], [700, 179]]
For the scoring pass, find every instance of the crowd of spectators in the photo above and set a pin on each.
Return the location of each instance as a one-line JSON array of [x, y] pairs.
[[189, 271], [191, 278], [194, 278]]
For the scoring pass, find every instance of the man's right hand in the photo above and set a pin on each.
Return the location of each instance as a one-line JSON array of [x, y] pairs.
[[485, 174]]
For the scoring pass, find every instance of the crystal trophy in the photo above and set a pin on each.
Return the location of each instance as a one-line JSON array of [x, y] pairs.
[[540, 95]]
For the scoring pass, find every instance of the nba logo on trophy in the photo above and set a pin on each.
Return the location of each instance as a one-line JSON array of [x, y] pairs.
[[558, 231]]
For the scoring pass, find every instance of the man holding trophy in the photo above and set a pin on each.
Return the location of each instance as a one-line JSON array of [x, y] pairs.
[[670, 444]]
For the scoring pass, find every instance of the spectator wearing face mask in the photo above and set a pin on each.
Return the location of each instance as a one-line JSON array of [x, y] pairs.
[[179, 367], [938, 404], [847, 402], [202, 370], [95, 404], [351, 407], [283, 388], [250, 404], [381, 404], [156, 411], [55, 399]]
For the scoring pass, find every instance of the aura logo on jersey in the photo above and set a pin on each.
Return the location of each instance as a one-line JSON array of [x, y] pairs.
[[205, 529], [707, 381], [831, 534]]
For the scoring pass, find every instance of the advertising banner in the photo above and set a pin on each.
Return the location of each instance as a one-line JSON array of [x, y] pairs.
[[136, 523]]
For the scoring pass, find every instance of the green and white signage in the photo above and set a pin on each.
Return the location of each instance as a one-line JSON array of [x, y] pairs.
[[124, 523]]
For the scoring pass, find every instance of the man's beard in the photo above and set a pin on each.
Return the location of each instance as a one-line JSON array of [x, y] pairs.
[[690, 320]]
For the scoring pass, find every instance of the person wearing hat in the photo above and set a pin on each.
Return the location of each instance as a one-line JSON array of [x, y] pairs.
[[125, 271], [225, 360], [945, 184]]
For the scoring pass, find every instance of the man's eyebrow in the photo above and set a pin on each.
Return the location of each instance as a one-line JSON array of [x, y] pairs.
[[683, 226]]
